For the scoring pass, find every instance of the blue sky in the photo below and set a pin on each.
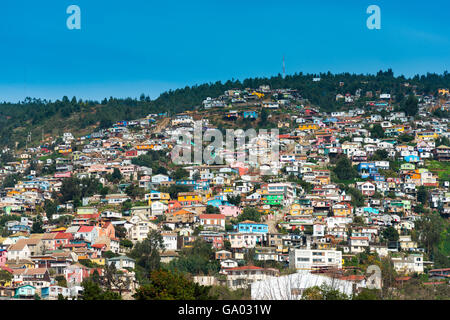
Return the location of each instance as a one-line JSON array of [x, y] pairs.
[[126, 48]]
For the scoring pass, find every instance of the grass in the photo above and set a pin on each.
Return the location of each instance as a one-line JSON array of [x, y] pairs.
[[442, 169]]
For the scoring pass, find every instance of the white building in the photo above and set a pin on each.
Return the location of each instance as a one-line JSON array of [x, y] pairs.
[[307, 259]]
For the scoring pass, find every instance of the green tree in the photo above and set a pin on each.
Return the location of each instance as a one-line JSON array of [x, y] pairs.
[[168, 285], [344, 169], [391, 234], [249, 214], [410, 105], [147, 252], [422, 195], [93, 291], [377, 131], [5, 277]]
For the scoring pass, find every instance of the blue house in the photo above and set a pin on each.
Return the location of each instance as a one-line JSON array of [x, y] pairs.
[[376, 177], [25, 291], [371, 210], [202, 185], [217, 202], [251, 227], [250, 115], [185, 182], [366, 169], [412, 158]]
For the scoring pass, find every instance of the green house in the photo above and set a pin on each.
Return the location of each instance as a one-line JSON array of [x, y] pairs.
[[408, 166], [274, 199]]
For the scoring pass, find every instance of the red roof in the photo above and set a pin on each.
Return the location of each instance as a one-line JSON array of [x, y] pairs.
[[98, 245], [63, 235], [353, 277], [86, 229], [245, 268], [75, 245], [212, 216]]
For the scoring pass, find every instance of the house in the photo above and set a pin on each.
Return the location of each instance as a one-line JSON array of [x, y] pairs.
[[138, 227], [409, 264], [170, 241], [53, 292], [189, 198], [76, 273], [122, 262], [244, 240], [87, 233], [358, 244], [19, 251], [366, 188], [212, 221], [251, 227], [36, 277], [160, 178], [307, 259], [223, 255], [243, 277], [25, 291]]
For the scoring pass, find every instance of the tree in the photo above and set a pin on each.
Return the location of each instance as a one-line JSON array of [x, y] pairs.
[[199, 259], [264, 116], [428, 231], [391, 234], [234, 200], [324, 292], [249, 214], [146, 253], [422, 195], [211, 209], [50, 208], [410, 105], [114, 279], [168, 285], [93, 291], [377, 131], [134, 191], [5, 277], [344, 169], [180, 174], [37, 225], [368, 294], [380, 154], [116, 176]]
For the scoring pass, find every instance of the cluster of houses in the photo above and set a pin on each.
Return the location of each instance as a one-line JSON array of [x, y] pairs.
[[304, 229]]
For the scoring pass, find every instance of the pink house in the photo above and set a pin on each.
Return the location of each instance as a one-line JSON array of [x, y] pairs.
[[230, 211], [76, 273], [3, 254]]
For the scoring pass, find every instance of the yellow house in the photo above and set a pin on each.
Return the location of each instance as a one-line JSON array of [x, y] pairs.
[[429, 135], [228, 189], [99, 261], [308, 126], [400, 128], [323, 180], [163, 197], [299, 210], [295, 209], [444, 91], [145, 146], [258, 94], [189, 197], [342, 209]]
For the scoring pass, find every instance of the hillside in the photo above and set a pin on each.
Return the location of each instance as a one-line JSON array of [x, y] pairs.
[[50, 118]]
